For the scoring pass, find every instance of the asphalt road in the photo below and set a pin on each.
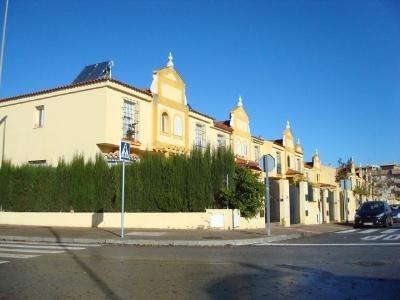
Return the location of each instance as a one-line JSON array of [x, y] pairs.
[[343, 265]]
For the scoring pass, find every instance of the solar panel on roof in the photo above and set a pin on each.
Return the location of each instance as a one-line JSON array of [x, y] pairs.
[[93, 72]]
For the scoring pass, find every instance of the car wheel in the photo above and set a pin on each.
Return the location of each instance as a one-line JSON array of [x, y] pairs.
[[386, 223]]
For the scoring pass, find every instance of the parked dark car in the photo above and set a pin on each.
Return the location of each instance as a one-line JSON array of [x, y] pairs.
[[373, 213], [395, 213]]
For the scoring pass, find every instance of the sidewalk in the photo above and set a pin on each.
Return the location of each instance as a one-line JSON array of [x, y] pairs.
[[147, 237]]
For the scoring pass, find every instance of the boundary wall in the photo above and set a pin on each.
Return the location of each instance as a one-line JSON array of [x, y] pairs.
[[225, 219]]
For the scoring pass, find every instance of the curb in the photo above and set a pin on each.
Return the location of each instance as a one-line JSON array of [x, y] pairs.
[[188, 243]]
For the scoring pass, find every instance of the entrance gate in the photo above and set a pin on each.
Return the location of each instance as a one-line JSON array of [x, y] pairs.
[[275, 200], [331, 206], [294, 204]]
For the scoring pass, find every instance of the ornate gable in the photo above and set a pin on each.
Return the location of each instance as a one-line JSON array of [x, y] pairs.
[[168, 84], [288, 140], [239, 120]]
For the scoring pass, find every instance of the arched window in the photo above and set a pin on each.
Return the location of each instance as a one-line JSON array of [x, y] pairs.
[[164, 122], [288, 161], [178, 126]]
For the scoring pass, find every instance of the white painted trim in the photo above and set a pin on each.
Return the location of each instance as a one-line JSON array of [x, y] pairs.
[[324, 245], [31, 251], [40, 247], [49, 243], [9, 255]]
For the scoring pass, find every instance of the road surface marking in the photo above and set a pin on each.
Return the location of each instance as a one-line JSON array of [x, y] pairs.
[[368, 231], [348, 231], [41, 247], [361, 244], [373, 237], [392, 237], [30, 251], [3, 261], [9, 255], [387, 231], [51, 244]]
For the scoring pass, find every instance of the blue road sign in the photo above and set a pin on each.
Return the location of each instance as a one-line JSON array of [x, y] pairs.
[[345, 184], [124, 151], [267, 161]]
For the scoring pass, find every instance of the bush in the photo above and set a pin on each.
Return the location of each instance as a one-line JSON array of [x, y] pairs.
[[155, 184], [247, 196]]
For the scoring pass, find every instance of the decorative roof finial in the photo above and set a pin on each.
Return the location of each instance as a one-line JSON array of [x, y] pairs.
[[170, 62], [316, 152], [298, 141], [287, 124], [240, 103]]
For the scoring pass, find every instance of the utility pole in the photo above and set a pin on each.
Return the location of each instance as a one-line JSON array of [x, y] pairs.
[[3, 39]]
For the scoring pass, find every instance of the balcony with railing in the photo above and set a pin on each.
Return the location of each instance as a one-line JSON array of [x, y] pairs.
[[131, 134]]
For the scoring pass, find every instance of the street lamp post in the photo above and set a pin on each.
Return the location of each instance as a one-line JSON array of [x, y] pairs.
[[3, 39]]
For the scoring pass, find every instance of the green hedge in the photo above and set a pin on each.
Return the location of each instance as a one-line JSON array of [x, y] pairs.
[[155, 184]]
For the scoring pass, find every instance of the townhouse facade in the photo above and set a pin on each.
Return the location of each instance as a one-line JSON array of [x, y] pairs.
[[384, 181], [92, 116]]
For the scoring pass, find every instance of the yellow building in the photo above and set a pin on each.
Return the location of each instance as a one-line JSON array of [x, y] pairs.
[[92, 116]]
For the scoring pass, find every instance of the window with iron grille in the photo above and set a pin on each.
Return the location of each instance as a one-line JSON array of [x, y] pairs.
[[256, 153], [200, 136], [130, 119], [221, 141], [278, 163]]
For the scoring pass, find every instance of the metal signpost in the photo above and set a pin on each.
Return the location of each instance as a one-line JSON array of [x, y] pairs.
[[124, 155], [267, 164]]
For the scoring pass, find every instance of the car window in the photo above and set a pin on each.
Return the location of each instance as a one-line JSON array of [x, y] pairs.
[[368, 206]]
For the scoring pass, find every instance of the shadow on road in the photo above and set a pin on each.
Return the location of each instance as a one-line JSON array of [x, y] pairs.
[[297, 282], [108, 292]]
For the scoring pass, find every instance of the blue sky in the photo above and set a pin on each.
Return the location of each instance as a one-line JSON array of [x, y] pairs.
[[330, 67]]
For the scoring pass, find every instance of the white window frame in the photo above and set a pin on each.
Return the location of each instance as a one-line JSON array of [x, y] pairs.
[[200, 136], [178, 131], [221, 141], [238, 147], [130, 118], [164, 122], [39, 116]]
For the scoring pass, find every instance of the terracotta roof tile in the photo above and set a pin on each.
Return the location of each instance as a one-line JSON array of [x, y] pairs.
[[309, 165], [222, 125], [247, 163], [327, 185], [200, 113], [278, 142], [70, 86], [115, 156], [292, 172]]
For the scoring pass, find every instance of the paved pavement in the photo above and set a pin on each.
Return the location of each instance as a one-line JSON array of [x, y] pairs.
[[359, 237], [330, 265], [160, 237]]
